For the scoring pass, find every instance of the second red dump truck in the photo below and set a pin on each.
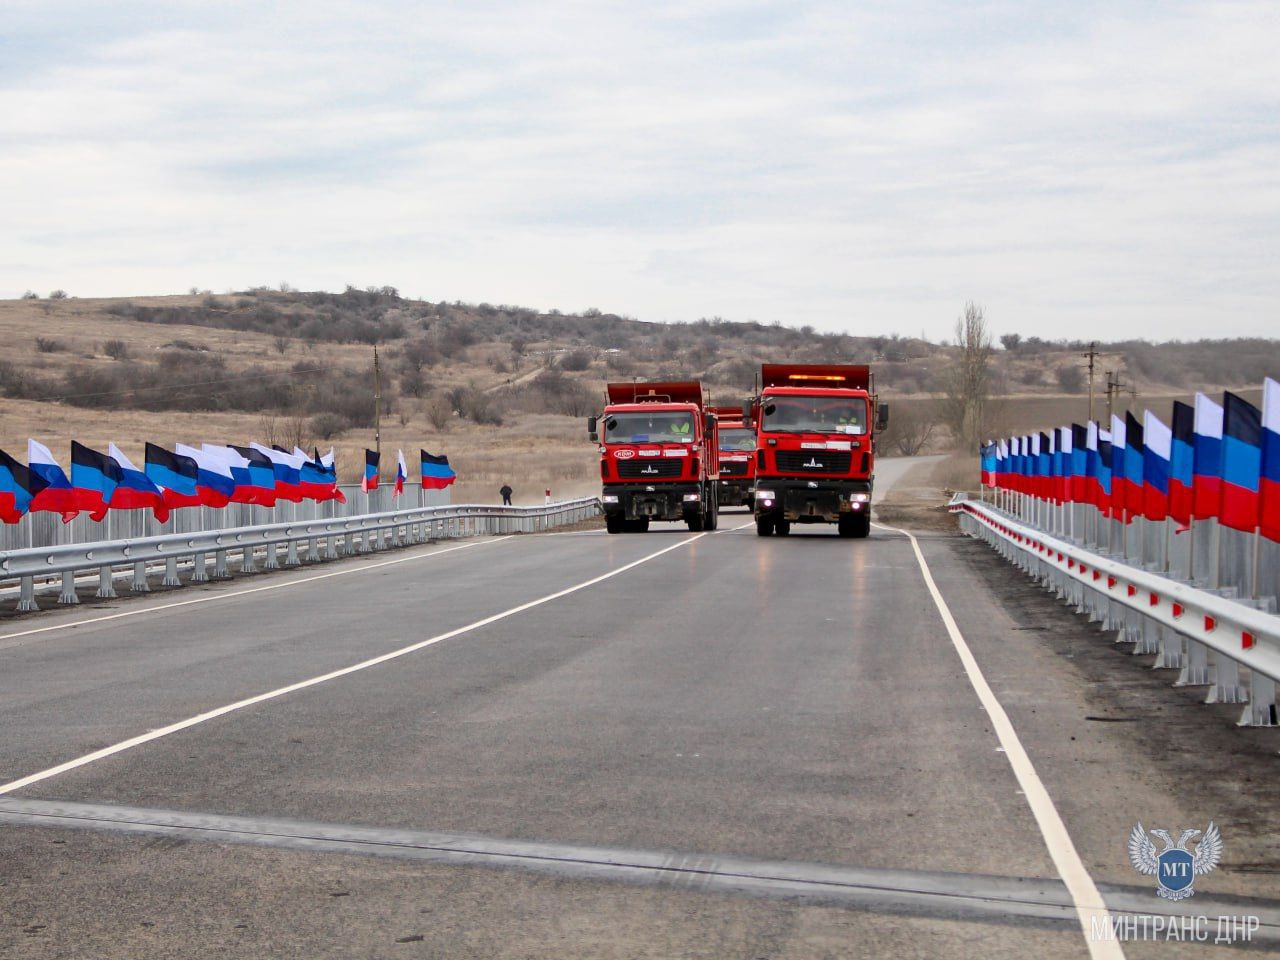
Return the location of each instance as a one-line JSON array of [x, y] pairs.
[[658, 456], [737, 456], [815, 457]]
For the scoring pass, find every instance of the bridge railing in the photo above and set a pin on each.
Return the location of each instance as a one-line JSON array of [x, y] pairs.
[[313, 539], [1208, 637]]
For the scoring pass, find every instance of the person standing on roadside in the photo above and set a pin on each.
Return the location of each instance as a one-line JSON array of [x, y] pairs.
[[506, 492]]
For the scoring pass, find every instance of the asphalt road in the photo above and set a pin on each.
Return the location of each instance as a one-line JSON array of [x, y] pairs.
[[582, 745]]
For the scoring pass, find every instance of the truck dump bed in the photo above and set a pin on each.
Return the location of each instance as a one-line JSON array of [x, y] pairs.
[[838, 376], [671, 391]]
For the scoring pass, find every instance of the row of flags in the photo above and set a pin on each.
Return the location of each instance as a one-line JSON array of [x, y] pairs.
[[1211, 460], [435, 471], [209, 475]]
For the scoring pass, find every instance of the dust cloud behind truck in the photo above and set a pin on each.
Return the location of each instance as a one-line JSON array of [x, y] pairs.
[[658, 456], [815, 446]]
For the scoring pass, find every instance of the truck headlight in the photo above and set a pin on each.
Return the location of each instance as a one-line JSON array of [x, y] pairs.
[[690, 498], [609, 498], [859, 497], [764, 494]]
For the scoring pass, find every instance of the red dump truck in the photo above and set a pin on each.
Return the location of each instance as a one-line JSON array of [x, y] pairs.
[[815, 446], [658, 456], [737, 456]]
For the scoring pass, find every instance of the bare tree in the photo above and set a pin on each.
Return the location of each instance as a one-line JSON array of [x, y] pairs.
[[967, 385], [910, 427], [439, 412]]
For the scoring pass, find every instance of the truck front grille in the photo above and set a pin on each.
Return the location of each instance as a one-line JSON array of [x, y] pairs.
[[648, 469], [733, 468], [814, 461]]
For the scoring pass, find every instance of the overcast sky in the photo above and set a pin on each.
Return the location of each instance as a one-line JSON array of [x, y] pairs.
[[1090, 169]]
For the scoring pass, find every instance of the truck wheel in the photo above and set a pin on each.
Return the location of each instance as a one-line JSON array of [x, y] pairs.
[[764, 527], [614, 523], [713, 516], [783, 527], [695, 522], [636, 526]]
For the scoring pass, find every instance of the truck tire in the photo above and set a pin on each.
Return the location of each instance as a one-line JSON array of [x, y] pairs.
[[713, 515], [636, 526], [614, 523], [764, 527], [783, 527], [856, 525], [695, 522]]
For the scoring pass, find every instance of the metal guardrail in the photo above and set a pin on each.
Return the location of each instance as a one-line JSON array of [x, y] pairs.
[[1204, 635], [362, 533]]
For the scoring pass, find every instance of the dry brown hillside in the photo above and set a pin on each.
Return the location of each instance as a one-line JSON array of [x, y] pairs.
[[501, 389]]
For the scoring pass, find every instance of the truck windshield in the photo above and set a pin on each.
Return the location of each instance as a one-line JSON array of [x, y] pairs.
[[814, 415], [648, 428], [737, 438]]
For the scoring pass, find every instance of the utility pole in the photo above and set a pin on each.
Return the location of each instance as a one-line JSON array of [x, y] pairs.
[[377, 404], [1114, 388], [1091, 355]]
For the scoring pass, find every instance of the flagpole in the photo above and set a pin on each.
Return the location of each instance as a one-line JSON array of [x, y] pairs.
[[1257, 543], [377, 405]]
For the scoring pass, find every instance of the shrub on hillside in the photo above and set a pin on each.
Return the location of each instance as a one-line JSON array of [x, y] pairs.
[[49, 345]]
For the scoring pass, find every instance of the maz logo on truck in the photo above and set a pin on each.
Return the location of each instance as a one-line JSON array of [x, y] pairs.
[[650, 469], [812, 464]]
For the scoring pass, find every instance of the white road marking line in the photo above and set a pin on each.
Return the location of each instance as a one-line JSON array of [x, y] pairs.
[[283, 585], [1089, 904], [324, 678]]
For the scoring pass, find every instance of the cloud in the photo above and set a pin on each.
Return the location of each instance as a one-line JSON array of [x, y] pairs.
[[1091, 170]]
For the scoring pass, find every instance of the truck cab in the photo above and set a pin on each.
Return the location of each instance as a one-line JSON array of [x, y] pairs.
[[658, 456], [737, 445], [815, 447]]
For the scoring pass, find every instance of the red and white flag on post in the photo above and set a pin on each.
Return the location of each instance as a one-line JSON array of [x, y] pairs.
[[402, 472]]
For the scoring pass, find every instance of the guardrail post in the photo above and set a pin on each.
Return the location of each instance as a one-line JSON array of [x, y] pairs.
[[140, 584], [273, 557], [171, 573], [349, 544], [1261, 710], [106, 583], [1226, 683], [313, 550], [220, 564], [291, 555], [27, 595], [199, 569], [331, 551], [1195, 669], [68, 594], [247, 564]]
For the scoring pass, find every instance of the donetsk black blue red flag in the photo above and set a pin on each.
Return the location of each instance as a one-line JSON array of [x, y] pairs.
[[18, 485], [436, 472]]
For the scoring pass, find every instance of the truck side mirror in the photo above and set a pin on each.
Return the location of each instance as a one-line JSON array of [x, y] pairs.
[[746, 411], [592, 435], [882, 416], [708, 426]]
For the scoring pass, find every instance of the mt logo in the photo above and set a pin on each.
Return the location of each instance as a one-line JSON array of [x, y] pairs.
[[1175, 868]]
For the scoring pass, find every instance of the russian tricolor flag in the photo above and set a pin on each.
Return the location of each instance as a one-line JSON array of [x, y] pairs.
[[1206, 495], [436, 472], [177, 476], [94, 478], [56, 494], [1182, 463], [1241, 462], [135, 491], [1120, 499], [316, 480], [1078, 489], [1156, 454], [402, 473], [255, 476], [1269, 488], [214, 483], [19, 484], [370, 479], [286, 472]]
